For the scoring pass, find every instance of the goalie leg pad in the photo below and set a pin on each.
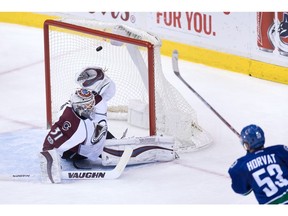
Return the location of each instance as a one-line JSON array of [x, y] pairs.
[[145, 150], [50, 166]]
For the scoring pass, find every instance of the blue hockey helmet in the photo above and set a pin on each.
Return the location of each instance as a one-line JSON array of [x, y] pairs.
[[253, 135]]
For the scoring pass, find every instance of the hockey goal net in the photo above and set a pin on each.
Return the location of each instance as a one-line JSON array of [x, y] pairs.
[[132, 59]]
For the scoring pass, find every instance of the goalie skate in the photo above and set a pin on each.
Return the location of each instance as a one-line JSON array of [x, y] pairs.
[[50, 166], [145, 150]]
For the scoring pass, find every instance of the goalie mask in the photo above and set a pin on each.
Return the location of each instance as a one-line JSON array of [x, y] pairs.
[[89, 76], [83, 102]]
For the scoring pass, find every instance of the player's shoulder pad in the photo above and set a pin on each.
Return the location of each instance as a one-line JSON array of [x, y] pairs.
[[233, 164], [238, 162], [70, 115], [279, 146], [285, 147]]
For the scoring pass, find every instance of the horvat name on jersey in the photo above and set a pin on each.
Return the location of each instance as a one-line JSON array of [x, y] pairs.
[[261, 161]]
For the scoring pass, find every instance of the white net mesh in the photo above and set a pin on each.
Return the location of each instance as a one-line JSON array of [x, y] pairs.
[[126, 64]]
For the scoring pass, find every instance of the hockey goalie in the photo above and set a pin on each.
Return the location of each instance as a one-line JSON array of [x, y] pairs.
[[81, 132]]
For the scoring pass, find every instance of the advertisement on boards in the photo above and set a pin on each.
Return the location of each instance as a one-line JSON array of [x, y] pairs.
[[272, 32], [207, 30], [134, 19], [237, 33], [262, 36]]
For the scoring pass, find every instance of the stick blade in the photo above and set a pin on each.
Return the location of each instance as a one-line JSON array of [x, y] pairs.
[[118, 170], [101, 174], [175, 55]]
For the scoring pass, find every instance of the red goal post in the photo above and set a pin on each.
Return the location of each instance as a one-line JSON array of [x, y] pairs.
[[107, 35], [133, 61]]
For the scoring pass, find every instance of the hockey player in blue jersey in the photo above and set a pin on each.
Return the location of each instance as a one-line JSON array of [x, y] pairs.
[[262, 170]]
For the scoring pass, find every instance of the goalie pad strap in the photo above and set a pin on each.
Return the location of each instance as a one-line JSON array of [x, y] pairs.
[[136, 151]]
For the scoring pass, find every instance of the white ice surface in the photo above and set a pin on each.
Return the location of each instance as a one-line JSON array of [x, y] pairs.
[[196, 178]]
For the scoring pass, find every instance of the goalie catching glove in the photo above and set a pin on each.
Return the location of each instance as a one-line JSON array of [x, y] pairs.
[[95, 79]]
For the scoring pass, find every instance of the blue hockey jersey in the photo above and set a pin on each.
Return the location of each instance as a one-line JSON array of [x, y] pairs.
[[265, 172]]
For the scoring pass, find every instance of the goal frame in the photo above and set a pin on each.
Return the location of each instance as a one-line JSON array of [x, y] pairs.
[[107, 35]]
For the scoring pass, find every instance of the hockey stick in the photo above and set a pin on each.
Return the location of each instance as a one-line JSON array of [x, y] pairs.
[[101, 174], [177, 73], [78, 175]]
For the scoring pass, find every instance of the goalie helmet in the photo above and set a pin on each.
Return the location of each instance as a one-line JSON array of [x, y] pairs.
[[89, 76], [83, 102], [253, 135]]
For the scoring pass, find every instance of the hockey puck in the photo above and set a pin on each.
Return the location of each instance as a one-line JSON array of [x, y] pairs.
[[99, 48]]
